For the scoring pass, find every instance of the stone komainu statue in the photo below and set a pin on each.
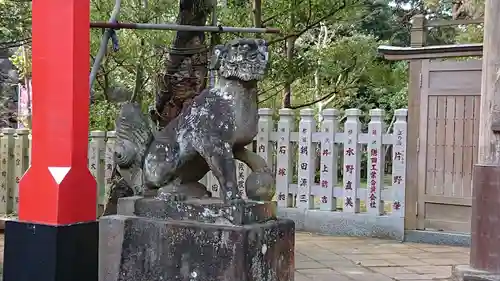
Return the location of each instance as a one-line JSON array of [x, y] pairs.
[[209, 134]]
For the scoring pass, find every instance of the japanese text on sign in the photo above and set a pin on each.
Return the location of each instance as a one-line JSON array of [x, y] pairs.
[[373, 178]]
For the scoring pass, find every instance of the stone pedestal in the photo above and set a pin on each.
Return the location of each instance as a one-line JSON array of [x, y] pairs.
[[208, 210], [151, 240], [485, 230]]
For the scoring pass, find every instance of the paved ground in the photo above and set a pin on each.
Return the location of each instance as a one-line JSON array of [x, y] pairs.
[[326, 258]]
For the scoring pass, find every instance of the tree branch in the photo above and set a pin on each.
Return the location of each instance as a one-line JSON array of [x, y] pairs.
[[314, 101], [279, 14], [271, 88], [309, 16], [14, 43], [336, 91], [312, 25], [272, 95]]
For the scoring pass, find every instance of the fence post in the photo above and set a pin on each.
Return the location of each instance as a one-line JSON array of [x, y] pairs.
[[284, 167], [375, 167], [7, 181], [109, 163], [97, 148], [328, 161], [21, 162], [265, 128], [399, 163], [418, 37], [352, 160], [307, 126]]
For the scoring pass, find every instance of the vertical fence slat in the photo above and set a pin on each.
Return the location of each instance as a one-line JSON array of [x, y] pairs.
[[97, 147], [328, 161], [109, 163], [307, 126], [375, 167], [7, 181], [284, 167], [352, 160], [399, 163], [20, 163], [265, 128]]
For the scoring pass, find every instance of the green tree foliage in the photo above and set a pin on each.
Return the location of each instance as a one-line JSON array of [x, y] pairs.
[[15, 22], [460, 9], [333, 62], [118, 68]]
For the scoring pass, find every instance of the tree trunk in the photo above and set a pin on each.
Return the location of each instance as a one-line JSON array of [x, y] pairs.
[[186, 64], [257, 15], [287, 97], [322, 43], [290, 49]]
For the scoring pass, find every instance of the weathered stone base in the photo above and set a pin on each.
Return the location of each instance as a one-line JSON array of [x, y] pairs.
[[466, 273], [207, 210], [141, 249], [345, 224]]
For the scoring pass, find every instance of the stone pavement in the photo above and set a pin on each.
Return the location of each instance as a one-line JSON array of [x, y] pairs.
[[326, 258]]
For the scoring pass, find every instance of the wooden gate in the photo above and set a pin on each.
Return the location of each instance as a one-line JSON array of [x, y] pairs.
[[447, 145]]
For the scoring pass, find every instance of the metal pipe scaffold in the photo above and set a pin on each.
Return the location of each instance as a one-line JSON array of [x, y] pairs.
[[113, 24], [178, 27]]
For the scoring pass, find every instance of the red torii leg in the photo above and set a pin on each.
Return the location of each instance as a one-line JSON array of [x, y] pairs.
[[56, 235]]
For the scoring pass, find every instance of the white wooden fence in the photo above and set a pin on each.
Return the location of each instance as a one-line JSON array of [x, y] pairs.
[[296, 157]]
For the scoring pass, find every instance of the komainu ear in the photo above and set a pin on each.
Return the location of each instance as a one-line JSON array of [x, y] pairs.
[[219, 53]]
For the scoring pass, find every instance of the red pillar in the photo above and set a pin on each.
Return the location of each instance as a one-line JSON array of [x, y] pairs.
[[57, 204], [58, 188]]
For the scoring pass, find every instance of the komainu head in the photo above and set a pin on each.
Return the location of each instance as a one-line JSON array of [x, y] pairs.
[[243, 59]]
